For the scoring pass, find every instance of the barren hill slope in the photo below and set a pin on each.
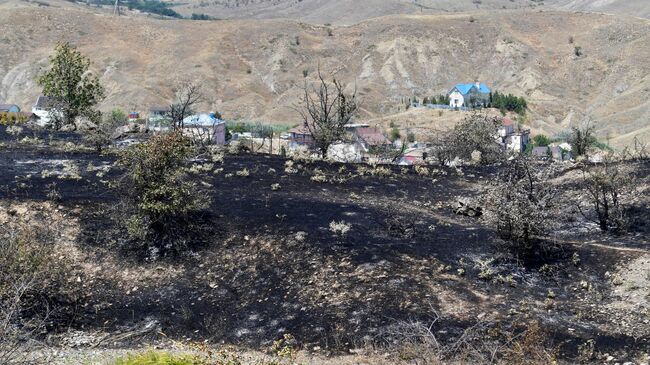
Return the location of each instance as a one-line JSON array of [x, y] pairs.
[[255, 69], [340, 11], [638, 8], [350, 12]]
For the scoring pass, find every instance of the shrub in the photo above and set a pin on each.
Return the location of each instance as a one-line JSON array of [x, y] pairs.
[[519, 206], [12, 118], [162, 200], [410, 137], [339, 228], [577, 50], [603, 188], [34, 290], [541, 140], [395, 134]]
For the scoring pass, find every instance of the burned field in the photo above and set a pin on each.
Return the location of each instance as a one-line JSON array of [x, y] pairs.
[[340, 256]]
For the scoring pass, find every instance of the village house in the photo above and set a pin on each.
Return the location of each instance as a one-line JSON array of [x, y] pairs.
[[370, 139], [469, 95], [513, 138], [300, 136], [9, 108], [158, 118], [413, 156], [560, 152], [205, 128], [41, 111]]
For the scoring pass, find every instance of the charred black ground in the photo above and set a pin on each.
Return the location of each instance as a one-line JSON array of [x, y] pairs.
[[272, 266]]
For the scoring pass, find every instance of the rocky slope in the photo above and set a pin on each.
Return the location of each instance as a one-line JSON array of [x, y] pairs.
[[256, 69]]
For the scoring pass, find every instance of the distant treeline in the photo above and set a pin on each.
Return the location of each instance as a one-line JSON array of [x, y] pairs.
[[508, 102], [150, 6]]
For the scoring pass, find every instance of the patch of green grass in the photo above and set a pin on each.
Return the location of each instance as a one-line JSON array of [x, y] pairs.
[[159, 358]]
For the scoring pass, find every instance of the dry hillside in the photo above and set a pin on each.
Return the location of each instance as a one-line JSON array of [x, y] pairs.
[[350, 12], [255, 69]]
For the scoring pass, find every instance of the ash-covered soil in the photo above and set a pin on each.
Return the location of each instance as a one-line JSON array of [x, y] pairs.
[[272, 266]]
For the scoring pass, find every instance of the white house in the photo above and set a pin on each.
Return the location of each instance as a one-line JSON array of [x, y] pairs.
[[467, 95], [42, 111], [513, 139], [205, 127]]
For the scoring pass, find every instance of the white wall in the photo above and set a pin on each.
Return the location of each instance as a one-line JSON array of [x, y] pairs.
[[456, 99]]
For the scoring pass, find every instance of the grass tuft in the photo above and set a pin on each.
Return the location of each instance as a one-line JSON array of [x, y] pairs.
[[159, 358]]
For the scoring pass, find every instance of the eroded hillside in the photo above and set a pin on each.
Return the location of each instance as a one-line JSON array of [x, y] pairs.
[[256, 69]]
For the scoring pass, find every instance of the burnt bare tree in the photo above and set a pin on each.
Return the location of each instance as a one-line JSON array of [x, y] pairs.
[[519, 205], [602, 189], [326, 111], [188, 94], [441, 147]]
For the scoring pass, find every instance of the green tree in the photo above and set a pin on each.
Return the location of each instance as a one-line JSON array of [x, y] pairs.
[[581, 138], [541, 140], [73, 90], [395, 134]]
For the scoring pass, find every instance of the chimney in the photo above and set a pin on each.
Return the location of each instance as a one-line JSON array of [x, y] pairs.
[[478, 84]]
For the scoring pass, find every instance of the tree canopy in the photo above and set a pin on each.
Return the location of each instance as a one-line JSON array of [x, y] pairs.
[[72, 89]]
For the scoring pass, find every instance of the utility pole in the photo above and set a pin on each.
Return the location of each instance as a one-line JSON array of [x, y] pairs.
[[116, 9]]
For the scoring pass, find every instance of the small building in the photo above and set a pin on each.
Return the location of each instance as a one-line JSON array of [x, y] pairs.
[[541, 152], [512, 137], [159, 118], [133, 116], [159, 112], [413, 156], [551, 152], [42, 110], [9, 108], [469, 95], [205, 128], [300, 136], [370, 138]]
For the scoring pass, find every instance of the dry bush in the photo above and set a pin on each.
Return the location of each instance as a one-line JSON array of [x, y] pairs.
[[483, 343], [474, 133], [603, 188], [520, 206], [36, 290], [397, 224]]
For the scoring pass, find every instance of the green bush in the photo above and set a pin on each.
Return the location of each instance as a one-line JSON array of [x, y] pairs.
[[541, 140], [159, 358], [161, 198], [395, 134]]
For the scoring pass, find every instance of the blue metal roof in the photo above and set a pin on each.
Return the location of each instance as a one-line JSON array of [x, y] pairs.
[[465, 88], [203, 120]]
